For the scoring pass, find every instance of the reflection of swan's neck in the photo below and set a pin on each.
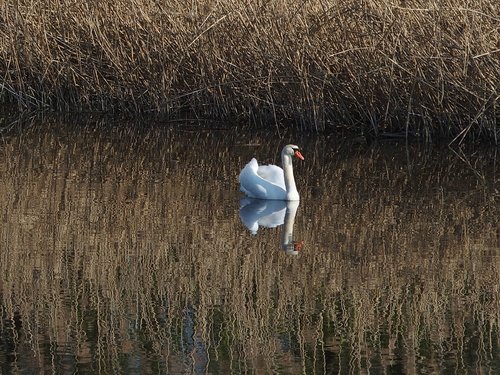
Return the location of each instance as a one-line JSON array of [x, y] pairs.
[[287, 235], [291, 190]]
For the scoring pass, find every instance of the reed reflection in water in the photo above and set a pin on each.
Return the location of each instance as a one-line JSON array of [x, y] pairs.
[[122, 251]]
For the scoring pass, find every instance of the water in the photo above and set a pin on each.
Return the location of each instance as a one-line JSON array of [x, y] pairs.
[[129, 249]]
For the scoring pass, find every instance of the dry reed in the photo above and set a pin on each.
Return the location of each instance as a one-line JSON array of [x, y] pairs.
[[429, 68]]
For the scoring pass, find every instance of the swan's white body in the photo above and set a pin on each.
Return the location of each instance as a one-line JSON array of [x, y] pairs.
[[271, 181]]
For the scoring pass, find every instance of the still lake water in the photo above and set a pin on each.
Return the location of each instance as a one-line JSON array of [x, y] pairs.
[[129, 249]]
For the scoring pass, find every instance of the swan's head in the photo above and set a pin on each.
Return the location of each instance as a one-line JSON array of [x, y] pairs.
[[292, 150]]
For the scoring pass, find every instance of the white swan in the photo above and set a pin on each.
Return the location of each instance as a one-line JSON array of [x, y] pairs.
[[270, 181]]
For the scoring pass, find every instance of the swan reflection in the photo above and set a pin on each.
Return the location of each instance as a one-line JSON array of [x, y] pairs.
[[271, 214]]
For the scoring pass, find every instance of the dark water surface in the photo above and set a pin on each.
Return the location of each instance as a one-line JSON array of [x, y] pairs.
[[124, 250]]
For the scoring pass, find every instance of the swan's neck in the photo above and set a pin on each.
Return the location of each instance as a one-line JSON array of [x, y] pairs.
[[291, 190]]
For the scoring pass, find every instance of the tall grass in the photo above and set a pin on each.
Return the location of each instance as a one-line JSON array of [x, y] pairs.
[[428, 68]]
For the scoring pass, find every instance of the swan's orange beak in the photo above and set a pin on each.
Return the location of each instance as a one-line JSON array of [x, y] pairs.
[[299, 155]]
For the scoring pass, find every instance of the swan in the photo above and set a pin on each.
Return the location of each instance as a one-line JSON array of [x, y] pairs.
[[271, 181]]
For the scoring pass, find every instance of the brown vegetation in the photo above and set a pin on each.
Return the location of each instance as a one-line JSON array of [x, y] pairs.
[[418, 67], [126, 241]]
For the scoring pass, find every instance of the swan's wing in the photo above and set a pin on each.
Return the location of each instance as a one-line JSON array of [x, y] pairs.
[[253, 185], [272, 173]]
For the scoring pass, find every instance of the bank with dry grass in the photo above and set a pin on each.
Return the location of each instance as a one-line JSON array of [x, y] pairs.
[[428, 68]]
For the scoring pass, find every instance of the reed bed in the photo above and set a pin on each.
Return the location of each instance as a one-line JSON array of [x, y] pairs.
[[107, 256], [420, 68]]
